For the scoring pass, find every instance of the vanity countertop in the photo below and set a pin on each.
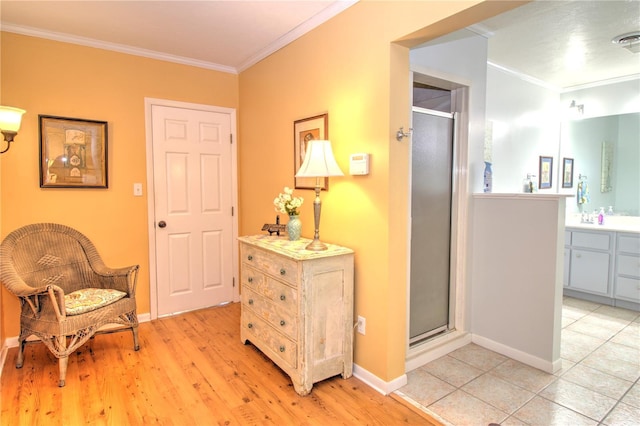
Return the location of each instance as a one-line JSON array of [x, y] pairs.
[[611, 223]]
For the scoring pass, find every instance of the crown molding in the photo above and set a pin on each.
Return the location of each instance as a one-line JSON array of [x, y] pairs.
[[121, 48], [313, 22], [601, 83], [525, 77]]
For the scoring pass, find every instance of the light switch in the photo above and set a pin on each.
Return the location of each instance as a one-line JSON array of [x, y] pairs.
[[137, 190]]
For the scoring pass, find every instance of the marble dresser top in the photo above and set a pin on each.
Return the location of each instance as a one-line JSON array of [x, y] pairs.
[[293, 249]]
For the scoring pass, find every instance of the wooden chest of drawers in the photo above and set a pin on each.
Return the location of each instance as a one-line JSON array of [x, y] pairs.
[[297, 307]]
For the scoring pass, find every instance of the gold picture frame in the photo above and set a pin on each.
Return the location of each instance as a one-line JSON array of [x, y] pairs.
[[304, 130], [73, 152]]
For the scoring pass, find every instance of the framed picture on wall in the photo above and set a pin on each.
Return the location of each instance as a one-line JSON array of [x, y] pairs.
[[567, 172], [304, 130], [546, 172], [73, 152]]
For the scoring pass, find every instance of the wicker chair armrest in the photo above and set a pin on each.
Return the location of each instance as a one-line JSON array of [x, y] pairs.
[[38, 297], [56, 294], [123, 279], [19, 288]]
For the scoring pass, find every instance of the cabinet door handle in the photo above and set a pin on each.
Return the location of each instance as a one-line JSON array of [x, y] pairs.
[[282, 272], [251, 301], [282, 348], [250, 257], [283, 297], [282, 323], [250, 279], [578, 255], [250, 325]]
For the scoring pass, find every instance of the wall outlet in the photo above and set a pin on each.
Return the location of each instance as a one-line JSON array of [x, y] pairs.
[[362, 325]]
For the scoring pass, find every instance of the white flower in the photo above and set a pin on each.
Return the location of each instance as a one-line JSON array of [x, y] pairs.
[[286, 203]]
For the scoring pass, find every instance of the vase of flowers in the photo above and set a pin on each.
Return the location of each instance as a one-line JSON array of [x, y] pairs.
[[287, 204]]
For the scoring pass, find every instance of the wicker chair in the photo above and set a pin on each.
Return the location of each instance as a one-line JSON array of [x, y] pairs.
[[49, 267]]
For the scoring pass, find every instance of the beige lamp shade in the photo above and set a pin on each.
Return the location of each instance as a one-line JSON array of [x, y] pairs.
[[10, 118], [319, 161]]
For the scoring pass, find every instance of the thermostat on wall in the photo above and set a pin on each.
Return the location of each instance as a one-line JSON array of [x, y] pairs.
[[359, 164]]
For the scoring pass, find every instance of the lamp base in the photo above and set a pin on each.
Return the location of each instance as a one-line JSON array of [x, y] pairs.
[[316, 245]]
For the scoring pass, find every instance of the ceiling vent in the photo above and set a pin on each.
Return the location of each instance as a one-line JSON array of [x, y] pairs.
[[630, 41]]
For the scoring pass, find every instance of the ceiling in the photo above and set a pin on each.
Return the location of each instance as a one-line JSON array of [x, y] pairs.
[[561, 43], [565, 43]]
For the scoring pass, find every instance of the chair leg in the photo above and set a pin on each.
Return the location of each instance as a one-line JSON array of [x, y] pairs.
[[20, 360], [62, 363], [136, 344]]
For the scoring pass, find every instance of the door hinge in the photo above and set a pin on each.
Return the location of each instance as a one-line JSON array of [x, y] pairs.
[[231, 139], [234, 281], [232, 212]]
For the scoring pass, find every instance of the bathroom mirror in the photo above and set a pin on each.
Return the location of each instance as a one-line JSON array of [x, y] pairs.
[[606, 152]]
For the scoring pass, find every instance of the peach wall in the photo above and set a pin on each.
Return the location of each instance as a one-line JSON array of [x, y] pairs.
[[350, 68], [48, 77]]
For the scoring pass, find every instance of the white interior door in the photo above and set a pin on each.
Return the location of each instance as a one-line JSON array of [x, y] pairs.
[[193, 180]]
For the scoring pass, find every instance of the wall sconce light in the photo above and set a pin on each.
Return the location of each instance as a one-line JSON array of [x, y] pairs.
[[10, 118], [318, 163], [575, 108]]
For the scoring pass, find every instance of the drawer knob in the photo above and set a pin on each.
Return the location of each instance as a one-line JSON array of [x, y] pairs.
[[250, 279], [283, 297], [250, 257], [251, 301], [578, 255], [250, 325], [282, 348], [282, 323], [282, 272]]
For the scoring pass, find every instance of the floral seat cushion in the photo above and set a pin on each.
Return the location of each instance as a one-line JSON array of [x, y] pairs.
[[88, 299]]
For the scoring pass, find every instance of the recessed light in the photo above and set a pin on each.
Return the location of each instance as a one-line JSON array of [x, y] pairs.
[[630, 41]]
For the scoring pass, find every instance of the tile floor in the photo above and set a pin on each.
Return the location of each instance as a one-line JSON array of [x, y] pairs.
[[597, 385]]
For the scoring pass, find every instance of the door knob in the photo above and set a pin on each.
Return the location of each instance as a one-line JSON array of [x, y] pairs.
[[162, 224]]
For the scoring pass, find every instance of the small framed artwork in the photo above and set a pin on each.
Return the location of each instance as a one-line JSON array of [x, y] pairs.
[[304, 130], [73, 152], [546, 172], [567, 172]]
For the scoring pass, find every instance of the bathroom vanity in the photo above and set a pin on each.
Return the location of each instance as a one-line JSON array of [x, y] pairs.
[[602, 262]]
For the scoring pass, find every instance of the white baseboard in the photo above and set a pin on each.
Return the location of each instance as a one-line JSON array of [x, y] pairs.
[[376, 382], [531, 360]]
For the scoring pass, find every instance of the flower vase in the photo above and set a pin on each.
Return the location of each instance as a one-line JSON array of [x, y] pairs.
[[294, 227]]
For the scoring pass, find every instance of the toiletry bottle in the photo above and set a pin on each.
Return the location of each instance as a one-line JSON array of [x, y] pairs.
[[601, 216], [610, 211], [527, 184], [488, 178]]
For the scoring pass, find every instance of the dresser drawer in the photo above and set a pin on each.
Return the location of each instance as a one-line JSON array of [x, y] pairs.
[[266, 338], [598, 241], [628, 288], [279, 317], [281, 294], [275, 265], [629, 265], [629, 244]]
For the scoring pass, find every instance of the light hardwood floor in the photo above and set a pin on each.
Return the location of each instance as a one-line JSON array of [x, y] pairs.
[[191, 369]]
